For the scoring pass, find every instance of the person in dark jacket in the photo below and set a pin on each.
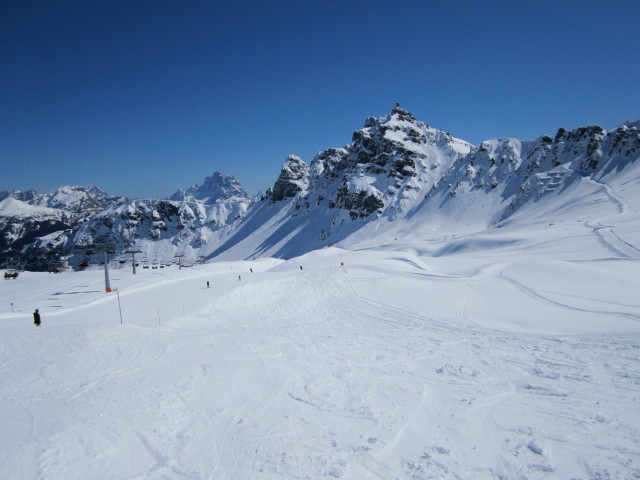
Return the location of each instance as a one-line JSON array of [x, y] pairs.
[[36, 318]]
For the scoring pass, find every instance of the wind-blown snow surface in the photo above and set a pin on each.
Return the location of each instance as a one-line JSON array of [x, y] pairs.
[[513, 353]]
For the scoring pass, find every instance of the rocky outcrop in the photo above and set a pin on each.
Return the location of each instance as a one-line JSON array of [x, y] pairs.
[[293, 178], [388, 161]]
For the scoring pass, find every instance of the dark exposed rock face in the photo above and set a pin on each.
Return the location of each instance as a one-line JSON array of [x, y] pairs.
[[293, 178], [359, 204], [389, 155]]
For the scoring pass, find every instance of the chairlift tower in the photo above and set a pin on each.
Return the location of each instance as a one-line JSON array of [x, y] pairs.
[[105, 249], [107, 282], [133, 257], [179, 257]]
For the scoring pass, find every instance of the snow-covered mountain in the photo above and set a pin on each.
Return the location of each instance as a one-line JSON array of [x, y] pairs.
[[218, 188], [161, 229], [398, 177], [402, 175], [187, 224], [27, 217]]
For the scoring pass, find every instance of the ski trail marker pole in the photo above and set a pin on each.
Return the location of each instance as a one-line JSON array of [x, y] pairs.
[[119, 306]]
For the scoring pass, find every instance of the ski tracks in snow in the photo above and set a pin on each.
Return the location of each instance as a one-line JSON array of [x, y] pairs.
[[485, 381], [607, 233], [538, 295], [358, 374]]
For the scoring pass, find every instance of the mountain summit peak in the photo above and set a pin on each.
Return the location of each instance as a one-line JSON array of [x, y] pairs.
[[402, 113], [218, 188]]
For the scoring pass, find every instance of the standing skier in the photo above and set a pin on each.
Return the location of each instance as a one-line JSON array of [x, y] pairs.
[[207, 283], [36, 318]]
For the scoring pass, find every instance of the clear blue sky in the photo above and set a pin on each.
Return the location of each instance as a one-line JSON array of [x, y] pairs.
[[144, 97]]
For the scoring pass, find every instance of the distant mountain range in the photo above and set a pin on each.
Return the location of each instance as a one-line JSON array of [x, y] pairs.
[[399, 176], [29, 220]]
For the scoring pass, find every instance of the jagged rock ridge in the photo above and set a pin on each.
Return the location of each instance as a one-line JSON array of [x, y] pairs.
[[397, 167]]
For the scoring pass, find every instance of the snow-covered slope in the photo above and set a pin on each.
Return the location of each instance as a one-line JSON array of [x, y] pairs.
[[511, 353], [480, 321], [12, 207]]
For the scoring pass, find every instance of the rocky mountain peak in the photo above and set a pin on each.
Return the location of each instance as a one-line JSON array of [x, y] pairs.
[[293, 178], [218, 188], [389, 160], [397, 115], [402, 114]]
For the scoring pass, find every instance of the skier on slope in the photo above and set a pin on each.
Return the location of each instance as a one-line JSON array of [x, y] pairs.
[[36, 318]]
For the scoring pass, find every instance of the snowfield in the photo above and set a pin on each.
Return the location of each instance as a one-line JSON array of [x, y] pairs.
[[510, 353]]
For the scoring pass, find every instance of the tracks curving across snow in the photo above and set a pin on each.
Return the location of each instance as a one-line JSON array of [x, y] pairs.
[[608, 233], [385, 369]]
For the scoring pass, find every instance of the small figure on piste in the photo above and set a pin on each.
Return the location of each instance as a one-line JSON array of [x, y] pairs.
[[36, 318]]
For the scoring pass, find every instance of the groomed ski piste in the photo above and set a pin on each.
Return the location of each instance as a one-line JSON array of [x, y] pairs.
[[510, 353]]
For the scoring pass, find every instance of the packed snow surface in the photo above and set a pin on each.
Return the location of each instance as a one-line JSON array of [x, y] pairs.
[[510, 353]]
